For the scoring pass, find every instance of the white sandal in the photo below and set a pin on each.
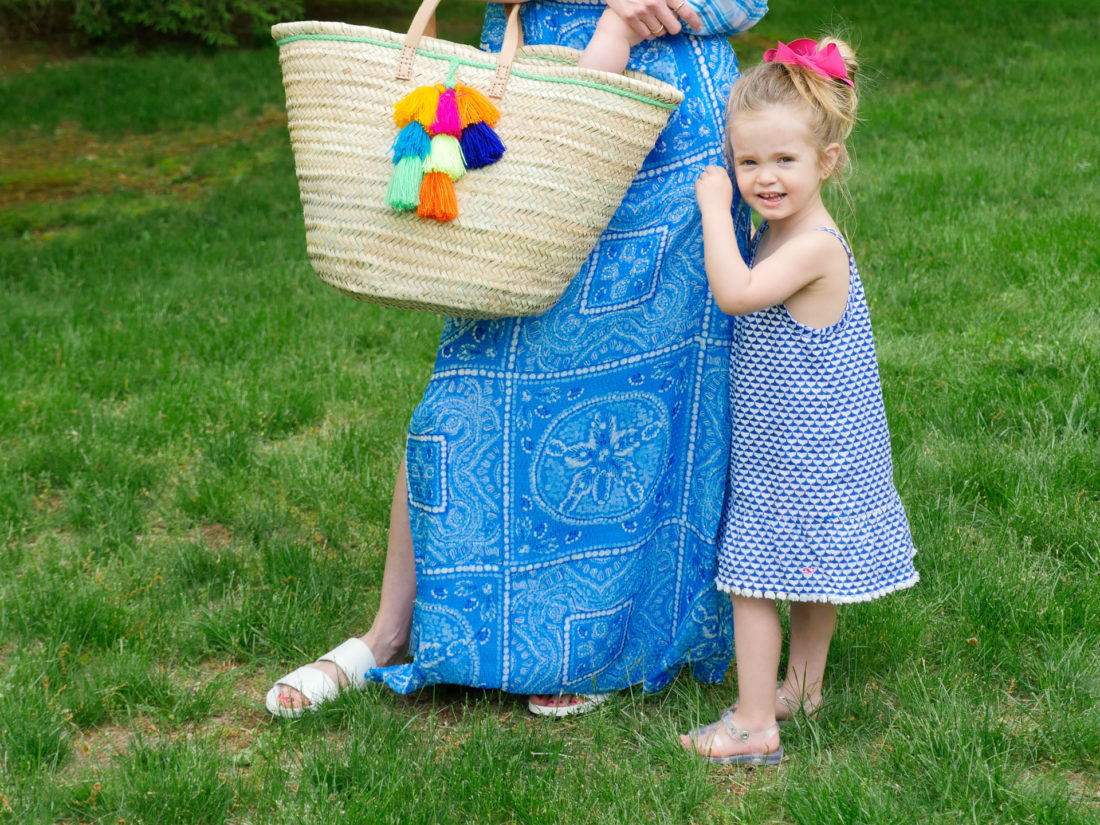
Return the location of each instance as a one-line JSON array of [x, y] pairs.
[[353, 657], [590, 701]]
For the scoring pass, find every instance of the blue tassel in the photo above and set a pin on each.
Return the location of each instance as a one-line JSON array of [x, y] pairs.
[[480, 145], [412, 140]]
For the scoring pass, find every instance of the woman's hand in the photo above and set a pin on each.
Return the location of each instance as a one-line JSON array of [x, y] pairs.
[[656, 18], [714, 190]]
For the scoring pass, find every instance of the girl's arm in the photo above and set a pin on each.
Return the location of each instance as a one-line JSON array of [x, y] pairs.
[[737, 289]]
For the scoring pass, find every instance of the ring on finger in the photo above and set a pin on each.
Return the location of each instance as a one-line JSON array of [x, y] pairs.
[[682, 4], [657, 30]]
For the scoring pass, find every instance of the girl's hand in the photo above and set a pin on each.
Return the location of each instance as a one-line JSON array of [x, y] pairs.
[[714, 189], [655, 18]]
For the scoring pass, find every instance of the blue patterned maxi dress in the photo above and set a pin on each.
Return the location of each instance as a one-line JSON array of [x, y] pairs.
[[566, 472]]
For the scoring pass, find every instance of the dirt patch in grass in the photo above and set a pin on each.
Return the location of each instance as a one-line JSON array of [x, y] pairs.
[[27, 55], [235, 729], [215, 536], [71, 162]]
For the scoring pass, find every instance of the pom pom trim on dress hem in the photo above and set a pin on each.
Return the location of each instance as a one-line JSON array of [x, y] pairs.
[[827, 598]]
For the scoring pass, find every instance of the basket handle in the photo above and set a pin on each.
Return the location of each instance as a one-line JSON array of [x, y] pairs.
[[425, 19]]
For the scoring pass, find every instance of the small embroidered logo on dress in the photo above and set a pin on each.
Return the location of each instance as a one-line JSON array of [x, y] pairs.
[[808, 571]]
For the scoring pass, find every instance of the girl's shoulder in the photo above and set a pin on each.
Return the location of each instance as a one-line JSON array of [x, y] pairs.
[[815, 246]]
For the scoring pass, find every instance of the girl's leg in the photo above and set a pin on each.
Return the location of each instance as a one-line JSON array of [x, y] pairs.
[[756, 641], [812, 625], [389, 633]]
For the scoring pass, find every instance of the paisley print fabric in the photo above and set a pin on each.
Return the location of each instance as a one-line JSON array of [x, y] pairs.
[[566, 471], [812, 514]]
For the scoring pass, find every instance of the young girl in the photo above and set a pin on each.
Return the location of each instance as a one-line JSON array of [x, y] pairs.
[[609, 48], [811, 515]]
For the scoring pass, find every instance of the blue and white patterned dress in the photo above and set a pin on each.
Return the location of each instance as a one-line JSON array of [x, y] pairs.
[[812, 513], [566, 471]]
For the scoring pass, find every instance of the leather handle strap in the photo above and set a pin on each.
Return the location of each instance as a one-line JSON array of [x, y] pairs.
[[423, 23]]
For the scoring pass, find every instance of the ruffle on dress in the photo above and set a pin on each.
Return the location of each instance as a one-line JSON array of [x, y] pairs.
[[840, 560]]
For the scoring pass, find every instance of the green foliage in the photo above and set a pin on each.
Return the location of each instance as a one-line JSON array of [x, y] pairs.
[[211, 22], [20, 19]]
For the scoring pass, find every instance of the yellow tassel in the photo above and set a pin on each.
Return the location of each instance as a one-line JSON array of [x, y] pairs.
[[474, 107], [418, 105], [437, 197]]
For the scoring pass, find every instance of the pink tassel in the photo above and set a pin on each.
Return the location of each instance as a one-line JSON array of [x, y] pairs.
[[447, 121]]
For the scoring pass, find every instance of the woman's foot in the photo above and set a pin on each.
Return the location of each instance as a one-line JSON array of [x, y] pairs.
[[291, 701], [727, 742], [565, 704]]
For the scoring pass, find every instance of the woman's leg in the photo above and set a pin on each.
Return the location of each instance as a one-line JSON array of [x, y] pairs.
[[388, 635], [756, 639], [812, 625]]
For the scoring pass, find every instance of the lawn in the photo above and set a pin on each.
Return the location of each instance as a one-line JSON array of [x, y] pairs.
[[198, 442]]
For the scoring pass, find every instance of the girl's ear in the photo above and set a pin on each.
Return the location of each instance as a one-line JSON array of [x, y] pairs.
[[829, 158]]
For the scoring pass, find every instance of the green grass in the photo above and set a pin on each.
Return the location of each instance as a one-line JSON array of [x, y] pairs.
[[198, 441]]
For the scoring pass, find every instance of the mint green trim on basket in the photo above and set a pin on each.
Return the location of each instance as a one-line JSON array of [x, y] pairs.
[[483, 65]]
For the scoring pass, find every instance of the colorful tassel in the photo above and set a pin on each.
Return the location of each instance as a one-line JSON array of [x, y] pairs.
[[444, 132], [447, 121], [446, 157], [474, 107], [480, 145], [412, 141], [403, 192], [419, 105], [437, 197]]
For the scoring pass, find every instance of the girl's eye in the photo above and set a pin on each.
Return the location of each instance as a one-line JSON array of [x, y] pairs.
[[786, 159]]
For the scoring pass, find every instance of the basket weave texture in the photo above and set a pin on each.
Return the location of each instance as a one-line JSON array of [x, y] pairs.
[[575, 140]]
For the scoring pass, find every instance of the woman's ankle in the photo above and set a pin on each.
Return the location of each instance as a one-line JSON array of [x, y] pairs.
[[388, 646]]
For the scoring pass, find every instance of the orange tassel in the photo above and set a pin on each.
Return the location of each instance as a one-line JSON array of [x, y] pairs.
[[437, 197], [474, 107]]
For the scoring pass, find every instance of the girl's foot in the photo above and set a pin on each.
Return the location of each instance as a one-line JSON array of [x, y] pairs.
[[794, 701], [726, 742], [786, 705]]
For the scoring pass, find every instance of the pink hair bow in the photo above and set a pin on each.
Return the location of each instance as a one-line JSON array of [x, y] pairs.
[[826, 62]]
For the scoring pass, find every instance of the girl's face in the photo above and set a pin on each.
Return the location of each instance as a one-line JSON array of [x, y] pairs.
[[778, 165]]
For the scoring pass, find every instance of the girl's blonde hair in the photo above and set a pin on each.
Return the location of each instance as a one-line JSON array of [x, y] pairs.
[[830, 104]]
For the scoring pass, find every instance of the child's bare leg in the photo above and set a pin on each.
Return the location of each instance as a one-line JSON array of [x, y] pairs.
[[756, 640], [812, 625], [389, 633], [609, 48]]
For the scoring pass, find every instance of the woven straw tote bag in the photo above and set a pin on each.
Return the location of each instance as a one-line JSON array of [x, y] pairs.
[[537, 155]]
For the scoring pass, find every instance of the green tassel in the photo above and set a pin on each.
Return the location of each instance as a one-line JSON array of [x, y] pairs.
[[403, 192], [445, 157]]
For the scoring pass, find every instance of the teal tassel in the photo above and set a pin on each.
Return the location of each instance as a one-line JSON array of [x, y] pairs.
[[445, 157], [480, 145], [403, 192], [412, 140]]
